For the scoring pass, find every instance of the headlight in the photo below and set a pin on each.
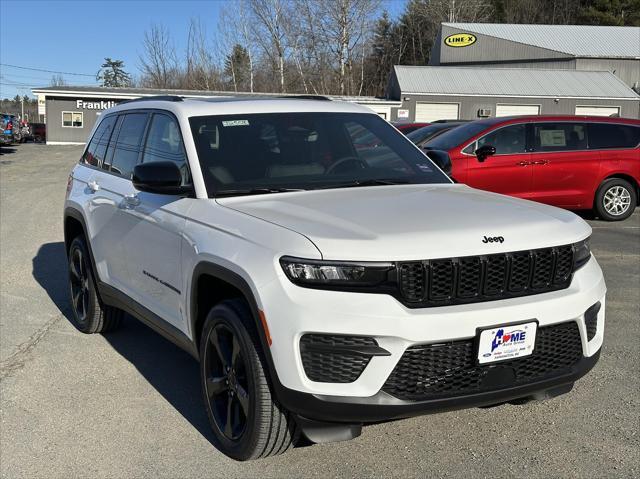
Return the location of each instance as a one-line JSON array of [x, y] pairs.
[[338, 274], [582, 253]]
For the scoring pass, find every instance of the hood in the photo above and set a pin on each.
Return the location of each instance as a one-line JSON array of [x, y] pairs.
[[405, 222]]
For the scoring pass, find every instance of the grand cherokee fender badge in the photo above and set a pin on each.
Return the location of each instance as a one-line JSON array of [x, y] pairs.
[[493, 239]]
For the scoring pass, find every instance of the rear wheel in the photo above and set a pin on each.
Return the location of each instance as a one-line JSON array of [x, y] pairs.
[[247, 421], [89, 316], [615, 199]]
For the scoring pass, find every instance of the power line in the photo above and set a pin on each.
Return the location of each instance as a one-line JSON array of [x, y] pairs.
[[47, 71]]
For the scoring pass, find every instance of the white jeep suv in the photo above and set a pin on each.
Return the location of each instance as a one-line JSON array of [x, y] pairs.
[[323, 270]]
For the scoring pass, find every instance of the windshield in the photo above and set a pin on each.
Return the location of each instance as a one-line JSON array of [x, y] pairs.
[[456, 136], [274, 152]]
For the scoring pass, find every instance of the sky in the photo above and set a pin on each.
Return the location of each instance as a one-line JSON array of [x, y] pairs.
[[75, 36]]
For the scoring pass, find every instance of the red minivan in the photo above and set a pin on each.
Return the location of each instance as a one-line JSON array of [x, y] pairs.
[[574, 162]]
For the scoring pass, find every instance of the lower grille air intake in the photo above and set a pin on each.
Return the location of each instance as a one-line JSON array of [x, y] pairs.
[[435, 371], [337, 358]]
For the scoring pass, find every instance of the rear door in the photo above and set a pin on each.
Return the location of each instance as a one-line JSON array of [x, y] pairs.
[[508, 171], [113, 192], [564, 170]]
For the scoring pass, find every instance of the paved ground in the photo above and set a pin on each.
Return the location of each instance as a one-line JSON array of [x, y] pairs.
[[128, 404]]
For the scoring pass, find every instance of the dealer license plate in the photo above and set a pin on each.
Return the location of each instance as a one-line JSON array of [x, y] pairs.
[[506, 342]]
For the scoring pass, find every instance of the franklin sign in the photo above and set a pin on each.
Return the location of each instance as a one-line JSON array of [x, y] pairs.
[[94, 105]]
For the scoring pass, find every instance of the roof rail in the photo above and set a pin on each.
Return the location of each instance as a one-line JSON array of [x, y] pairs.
[[306, 97], [155, 98]]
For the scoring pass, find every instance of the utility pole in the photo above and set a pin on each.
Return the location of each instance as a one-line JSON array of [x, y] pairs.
[[22, 108]]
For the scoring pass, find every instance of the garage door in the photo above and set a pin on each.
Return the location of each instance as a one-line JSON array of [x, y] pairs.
[[428, 112], [510, 110], [598, 110]]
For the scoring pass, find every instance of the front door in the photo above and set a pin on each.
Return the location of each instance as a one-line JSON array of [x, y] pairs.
[[508, 171]]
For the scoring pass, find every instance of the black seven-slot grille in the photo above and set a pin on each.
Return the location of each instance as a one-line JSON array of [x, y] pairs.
[[473, 279], [435, 371]]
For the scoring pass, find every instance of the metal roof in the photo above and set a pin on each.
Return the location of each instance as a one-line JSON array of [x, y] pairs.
[[510, 82], [575, 40]]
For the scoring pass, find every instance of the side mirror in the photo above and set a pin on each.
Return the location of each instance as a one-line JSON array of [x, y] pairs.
[[162, 177], [440, 158], [484, 152]]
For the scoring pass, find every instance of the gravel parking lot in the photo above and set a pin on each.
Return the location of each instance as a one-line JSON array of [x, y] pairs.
[[128, 404]]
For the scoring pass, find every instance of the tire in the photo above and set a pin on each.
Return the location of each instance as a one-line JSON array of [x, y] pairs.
[[89, 314], [260, 426], [615, 200]]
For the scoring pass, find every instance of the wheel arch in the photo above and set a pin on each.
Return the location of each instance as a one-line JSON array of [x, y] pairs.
[[207, 275]]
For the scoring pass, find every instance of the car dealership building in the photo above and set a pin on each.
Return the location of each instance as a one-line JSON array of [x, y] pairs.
[[71, 112]]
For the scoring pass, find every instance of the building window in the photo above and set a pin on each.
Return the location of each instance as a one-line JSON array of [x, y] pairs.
[[72, 119]]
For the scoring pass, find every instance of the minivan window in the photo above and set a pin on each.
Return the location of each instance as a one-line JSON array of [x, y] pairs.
[[507, 141], [262, 153], [611, 135], [559, 137], [96, 151], [164, 143], [457, 136], [127, 146]]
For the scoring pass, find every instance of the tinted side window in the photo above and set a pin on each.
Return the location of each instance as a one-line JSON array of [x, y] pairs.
[[98, 146], [610, 135], [560, 137], [507, 141], [127, 146], [164, 143]]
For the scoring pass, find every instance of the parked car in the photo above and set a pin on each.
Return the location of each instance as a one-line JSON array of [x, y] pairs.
[[39, 132], [574, 162], [323, 285], [422, 135], [406, 127], [10, 129]]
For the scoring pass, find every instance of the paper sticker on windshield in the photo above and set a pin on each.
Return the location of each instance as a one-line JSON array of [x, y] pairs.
[[235, 123]]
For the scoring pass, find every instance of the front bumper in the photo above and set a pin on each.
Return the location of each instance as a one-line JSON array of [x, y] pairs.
[[292, 312], [383, 407]]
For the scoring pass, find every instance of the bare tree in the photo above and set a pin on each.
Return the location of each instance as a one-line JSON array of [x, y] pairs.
[[346, 25], [158, 62], [201, 70], [269, 17], [58, 80]]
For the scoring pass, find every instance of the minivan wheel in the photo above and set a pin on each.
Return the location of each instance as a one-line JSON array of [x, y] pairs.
[[89, 315], [615, 199], [246, 420]]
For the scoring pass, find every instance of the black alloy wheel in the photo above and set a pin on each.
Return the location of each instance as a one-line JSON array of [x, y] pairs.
[[89, 314], [79, 283], [226, 382], [246, 419]]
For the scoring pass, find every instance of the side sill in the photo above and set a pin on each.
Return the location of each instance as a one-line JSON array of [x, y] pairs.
[[116, 298]]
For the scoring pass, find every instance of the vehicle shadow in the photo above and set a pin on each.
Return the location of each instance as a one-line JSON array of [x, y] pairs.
[[171, 371], [49, 269], [5, 150]]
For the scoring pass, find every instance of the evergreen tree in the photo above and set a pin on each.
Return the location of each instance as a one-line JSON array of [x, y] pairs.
[[236, 67], [112, 74]]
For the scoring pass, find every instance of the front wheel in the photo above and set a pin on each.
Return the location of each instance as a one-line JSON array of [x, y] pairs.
[[247, 421], [615, 200]]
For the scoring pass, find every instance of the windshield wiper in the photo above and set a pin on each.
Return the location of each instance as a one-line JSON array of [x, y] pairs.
[[373, 182], [255, 191]]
